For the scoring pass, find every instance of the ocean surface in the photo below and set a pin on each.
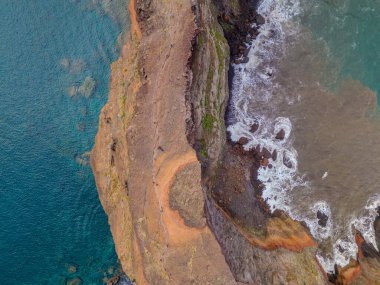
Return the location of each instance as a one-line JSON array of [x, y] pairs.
[[54, 66], [314, 73]]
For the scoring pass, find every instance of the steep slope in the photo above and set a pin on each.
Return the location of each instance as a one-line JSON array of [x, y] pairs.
[[183, 203], [142, 157]]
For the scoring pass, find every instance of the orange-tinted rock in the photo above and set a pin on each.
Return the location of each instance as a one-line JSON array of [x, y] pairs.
[[156, 243], [151, 183], [264, 162]]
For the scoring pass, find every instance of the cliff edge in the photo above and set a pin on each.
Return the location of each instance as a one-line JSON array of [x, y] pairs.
[[182, 205], [142, 157]]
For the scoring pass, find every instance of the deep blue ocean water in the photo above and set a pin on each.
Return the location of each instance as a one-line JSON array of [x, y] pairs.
[[50, 214]]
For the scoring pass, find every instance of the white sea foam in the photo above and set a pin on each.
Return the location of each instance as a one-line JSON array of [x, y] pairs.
[[253, 82], [346, 249], [253, 85], [364, 223]]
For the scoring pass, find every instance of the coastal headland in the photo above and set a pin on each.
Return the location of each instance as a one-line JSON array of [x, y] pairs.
[[183, 201]]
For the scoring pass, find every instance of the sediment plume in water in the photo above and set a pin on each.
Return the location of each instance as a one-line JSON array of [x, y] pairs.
[[326, 138]]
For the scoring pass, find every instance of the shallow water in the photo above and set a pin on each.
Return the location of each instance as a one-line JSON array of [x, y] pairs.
[[50, 214], [315, 79]]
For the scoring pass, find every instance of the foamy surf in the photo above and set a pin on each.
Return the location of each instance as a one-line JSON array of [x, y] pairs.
[[253, 86]]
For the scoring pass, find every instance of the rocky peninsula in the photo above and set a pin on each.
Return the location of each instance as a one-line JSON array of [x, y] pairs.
[[183, 202]]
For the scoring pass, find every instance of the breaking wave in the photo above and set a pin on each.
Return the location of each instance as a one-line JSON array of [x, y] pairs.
[[255, 100]]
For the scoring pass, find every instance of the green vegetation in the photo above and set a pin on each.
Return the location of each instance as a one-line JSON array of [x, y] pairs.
[[201, 40], [208, 122], [203, 150]]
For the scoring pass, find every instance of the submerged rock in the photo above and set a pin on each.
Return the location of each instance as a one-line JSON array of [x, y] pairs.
[[74, 66], [72, 91], [83, 159], [286, 161], [64, 63], [72, 268], [88, 87], [74, 281]]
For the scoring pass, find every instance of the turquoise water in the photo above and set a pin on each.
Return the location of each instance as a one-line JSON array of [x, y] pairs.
[[350, 29], [50, 215]]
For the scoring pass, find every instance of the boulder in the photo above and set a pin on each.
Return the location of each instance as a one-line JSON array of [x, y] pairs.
[[254, 127], [274, 155], [243, 141], [266, 153], [259, 20], [322, 219], [280, 135]]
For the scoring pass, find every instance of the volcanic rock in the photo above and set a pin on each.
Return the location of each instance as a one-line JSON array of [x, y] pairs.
[[280, 135]]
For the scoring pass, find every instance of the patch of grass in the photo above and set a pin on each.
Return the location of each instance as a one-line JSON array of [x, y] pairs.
[[203, 151], [201, 40], [208, 123]]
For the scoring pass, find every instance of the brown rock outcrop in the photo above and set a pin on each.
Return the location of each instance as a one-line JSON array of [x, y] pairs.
[[183, 205], [142, 153]]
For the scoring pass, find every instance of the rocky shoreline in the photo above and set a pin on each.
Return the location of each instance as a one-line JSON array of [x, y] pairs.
[[184, 203]]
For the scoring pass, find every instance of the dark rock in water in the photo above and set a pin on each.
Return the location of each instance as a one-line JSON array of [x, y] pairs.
[[246, 52], [259, 20], [73, 281], [245, 59], [243, 141], [280, 135], [266, 153], [368, 249], [322, 219], [254, 127], [257, 154], [287, 162], [274, 155]]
